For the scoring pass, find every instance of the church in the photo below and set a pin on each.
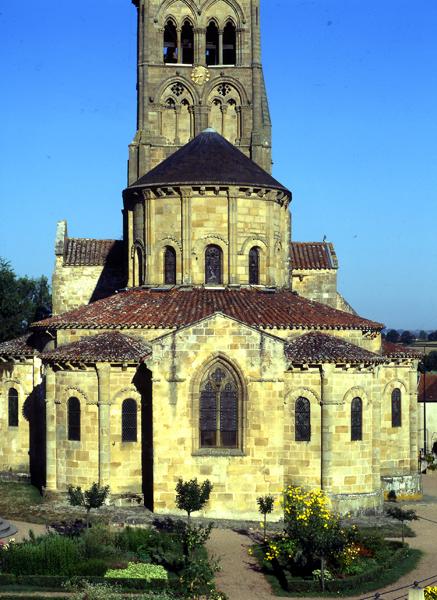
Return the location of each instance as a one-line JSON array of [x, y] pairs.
[[205, 343]]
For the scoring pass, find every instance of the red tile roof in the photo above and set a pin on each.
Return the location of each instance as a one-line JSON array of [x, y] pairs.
[[313, 255], [27, 345], [88, 252], [428, 383], [399, 351], [321, 348], [157, 309], [108, 347]]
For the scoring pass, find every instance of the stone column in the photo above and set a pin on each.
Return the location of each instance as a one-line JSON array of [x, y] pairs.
[[187, 276], [377, 399], [179, 48], [232, 233], [328, 421], [220, 48], [414, 407], [104, 401], [51, 464]]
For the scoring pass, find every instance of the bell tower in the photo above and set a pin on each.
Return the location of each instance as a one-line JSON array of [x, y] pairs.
[[199, 66]]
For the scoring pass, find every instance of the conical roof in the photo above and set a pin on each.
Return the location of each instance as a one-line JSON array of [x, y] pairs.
[[209, 159]]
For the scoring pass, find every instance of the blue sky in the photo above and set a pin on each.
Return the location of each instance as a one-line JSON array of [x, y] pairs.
[[353, 93]]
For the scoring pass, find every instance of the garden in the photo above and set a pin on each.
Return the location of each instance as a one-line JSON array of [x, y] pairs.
[[165, 561], [318, 554]]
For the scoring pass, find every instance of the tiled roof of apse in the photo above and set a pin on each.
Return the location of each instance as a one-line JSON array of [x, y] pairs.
[[313, 255], [175, 308], [399, 351], [209, 159], [321, 348], [23, 346], [89, 252]]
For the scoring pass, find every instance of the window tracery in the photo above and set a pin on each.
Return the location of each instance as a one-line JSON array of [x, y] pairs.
[[225, 111], [303, 420], [13, 407], [177, 114], [356, 420], [219, 410], [396, 408]]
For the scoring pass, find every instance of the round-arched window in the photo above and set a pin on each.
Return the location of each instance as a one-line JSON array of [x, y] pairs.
[[129, 421], [303, 420], [357, 420], [73, 409], [13, 407], [213, 265], [254, 266]]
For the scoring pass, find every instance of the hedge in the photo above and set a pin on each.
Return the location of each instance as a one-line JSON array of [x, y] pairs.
[[57, 582]]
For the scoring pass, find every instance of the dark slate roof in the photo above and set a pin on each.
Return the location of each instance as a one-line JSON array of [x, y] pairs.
[[106, 347], [399, 351], [313, 255], [89, 252], [428, 384], [209, 159], [321, 348], [24, 346], [157, 309]]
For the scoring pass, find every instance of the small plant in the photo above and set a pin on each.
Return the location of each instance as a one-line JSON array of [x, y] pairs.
[[93, 498], [93, 591], [401, 515], [265, 507], [192, 496], [139, 571], [69, 528], [431, 593]]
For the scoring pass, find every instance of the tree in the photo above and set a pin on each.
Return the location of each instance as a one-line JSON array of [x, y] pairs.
[[432, 337], [92, 498], [429, 362], [22, 301], [407, 337], [192, 496], [393, 336], [265, 507], [401, 515], [423, 336]]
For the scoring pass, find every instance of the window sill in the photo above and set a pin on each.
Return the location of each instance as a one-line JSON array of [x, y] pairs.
[[219, 452]]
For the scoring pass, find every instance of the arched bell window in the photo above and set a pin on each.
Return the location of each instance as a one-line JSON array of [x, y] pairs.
[[356, 420], [170, 43], [169, 266], [212, 44], [219, 409], [187, 41], [213, 265], [254, 266], [129, 421], [13, 407], [303, 420], [73, 409], [396, 408], [229, 44]]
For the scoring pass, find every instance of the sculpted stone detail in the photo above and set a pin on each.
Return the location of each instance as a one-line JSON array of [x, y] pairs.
[[200, 75]]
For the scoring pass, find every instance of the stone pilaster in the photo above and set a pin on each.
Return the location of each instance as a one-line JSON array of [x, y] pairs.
[[233, 250], [104, 401], [414, 423], [186, 235], [377, 398], [329, 418], [51, 438]]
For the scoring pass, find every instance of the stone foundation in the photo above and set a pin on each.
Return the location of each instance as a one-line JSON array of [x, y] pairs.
[[406, 487], [358, 504]]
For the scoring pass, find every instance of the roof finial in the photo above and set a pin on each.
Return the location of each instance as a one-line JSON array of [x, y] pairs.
[[209, 130]]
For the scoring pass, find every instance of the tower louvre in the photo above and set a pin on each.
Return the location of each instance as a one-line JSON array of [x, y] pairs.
[[199, 66]]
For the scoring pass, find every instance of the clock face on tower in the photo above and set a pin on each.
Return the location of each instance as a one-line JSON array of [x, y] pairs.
[[200, 75]]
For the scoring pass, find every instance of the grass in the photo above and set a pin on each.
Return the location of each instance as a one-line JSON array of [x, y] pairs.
[[19, 501], [387, 577], [390, 531]]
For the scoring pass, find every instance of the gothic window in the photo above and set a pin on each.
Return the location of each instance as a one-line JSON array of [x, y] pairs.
[[219, 399], [213, 265], [13, 407], [357, 420], [177, 114], [303, 420], [224, 104], [129, 421], [169, 266], [170, 43], [254, 266], [229, 44], [212, 44], [73, 408], [187, 40], [396, 408]]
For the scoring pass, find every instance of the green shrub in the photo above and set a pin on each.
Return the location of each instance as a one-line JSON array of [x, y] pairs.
[[139, 571], [131, 538], [99, 542], [431, 593], [93, 591], [92, 567], [152, 546]]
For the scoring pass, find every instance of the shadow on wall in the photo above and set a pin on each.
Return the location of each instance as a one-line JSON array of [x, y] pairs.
[[34, 411], [114, 274], [143, 382]]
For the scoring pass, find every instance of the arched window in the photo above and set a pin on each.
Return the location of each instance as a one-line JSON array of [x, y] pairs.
[[169, 266], [73, 419], [213, 265], [229, 44], [303, 420], [218, 414], [170, 43], [254, 266], [129, 421], [187, 39], [212, 44], [140, 266], [396, 408], [13, 407], [357, 420]]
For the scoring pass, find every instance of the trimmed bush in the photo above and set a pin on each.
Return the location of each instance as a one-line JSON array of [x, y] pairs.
[[139, 571]]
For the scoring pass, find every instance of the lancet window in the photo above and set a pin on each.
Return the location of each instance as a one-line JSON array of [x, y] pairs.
[[73, 409], [129, 420], [170, 42], [219, 409], [169, 266], [254, 263], [303, 420], [187, 43], [357, 420], [396, 408], [229, 44], [213, 265], [13, 407], [212, 44]]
